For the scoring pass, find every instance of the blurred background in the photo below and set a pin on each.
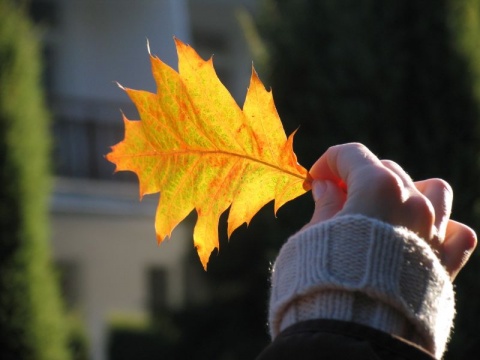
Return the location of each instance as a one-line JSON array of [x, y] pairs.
[[81, 275]]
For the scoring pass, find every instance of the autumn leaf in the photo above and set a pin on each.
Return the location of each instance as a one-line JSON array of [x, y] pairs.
[[202, 152]]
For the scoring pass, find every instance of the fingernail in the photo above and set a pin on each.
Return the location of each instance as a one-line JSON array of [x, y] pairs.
[[318, 189]]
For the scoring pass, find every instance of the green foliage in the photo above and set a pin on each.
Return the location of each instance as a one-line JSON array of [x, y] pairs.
[[132, 338], [31, 326], [402, 77], [77, 337]]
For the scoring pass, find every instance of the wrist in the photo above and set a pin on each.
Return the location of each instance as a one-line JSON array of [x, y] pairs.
[[359, 269]]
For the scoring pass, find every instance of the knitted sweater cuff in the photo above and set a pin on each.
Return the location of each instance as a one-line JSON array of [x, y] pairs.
[[359, 269]]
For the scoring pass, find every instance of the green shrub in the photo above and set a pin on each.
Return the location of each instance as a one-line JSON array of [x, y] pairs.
[[31, 323], [132, 337]]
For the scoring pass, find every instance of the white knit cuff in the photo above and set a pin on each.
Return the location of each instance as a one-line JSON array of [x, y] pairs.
[[359, 269]]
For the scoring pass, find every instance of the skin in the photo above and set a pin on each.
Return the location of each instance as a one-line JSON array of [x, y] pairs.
[[381, 189]]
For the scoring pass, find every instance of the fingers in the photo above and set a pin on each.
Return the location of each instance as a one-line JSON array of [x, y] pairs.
[[397, 169], [329, 200], [440, 194], [371, 188], [420, 213], [460, 241], [454, 242], [437, 191], [376, 189], [341, 163], [382, 189]]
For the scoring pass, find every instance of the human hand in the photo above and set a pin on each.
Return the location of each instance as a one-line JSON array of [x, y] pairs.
[[350, 179]]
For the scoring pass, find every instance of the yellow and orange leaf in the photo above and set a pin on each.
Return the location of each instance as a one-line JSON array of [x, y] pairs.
[[202, 152]]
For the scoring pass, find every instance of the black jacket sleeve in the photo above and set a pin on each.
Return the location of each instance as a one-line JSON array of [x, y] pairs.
[[337, 340]]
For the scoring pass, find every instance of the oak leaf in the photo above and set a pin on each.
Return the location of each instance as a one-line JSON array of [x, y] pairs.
[[202, 152]]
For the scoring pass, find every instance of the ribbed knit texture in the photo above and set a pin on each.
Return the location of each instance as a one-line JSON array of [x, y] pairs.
[[359, 269]]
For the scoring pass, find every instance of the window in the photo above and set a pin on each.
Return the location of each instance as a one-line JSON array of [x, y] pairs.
[[82, 142]]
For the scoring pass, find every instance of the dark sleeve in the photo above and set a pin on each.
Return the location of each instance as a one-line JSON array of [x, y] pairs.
[[338, 340]]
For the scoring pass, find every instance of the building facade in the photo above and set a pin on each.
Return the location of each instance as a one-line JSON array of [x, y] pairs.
[[102, 235]]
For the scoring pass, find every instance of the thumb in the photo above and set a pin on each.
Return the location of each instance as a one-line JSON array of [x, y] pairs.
[[460, 241], [329, 200]]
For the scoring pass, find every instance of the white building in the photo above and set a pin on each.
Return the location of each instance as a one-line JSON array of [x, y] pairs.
[[103, 237]]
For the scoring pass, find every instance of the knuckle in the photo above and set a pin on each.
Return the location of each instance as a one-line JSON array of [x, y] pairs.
[[423, 210], [355, 146], [387, 183], [390, 163], [358, 146], [442, 185], [471, 239], [384, 187]]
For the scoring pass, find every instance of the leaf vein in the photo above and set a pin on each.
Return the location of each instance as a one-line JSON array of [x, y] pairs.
[[213, 152]]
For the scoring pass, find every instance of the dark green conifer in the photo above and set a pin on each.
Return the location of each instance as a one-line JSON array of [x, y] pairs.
[[402, 77], [31, 323]]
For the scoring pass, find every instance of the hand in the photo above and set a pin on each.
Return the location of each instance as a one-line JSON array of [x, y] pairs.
[[349, 179]]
